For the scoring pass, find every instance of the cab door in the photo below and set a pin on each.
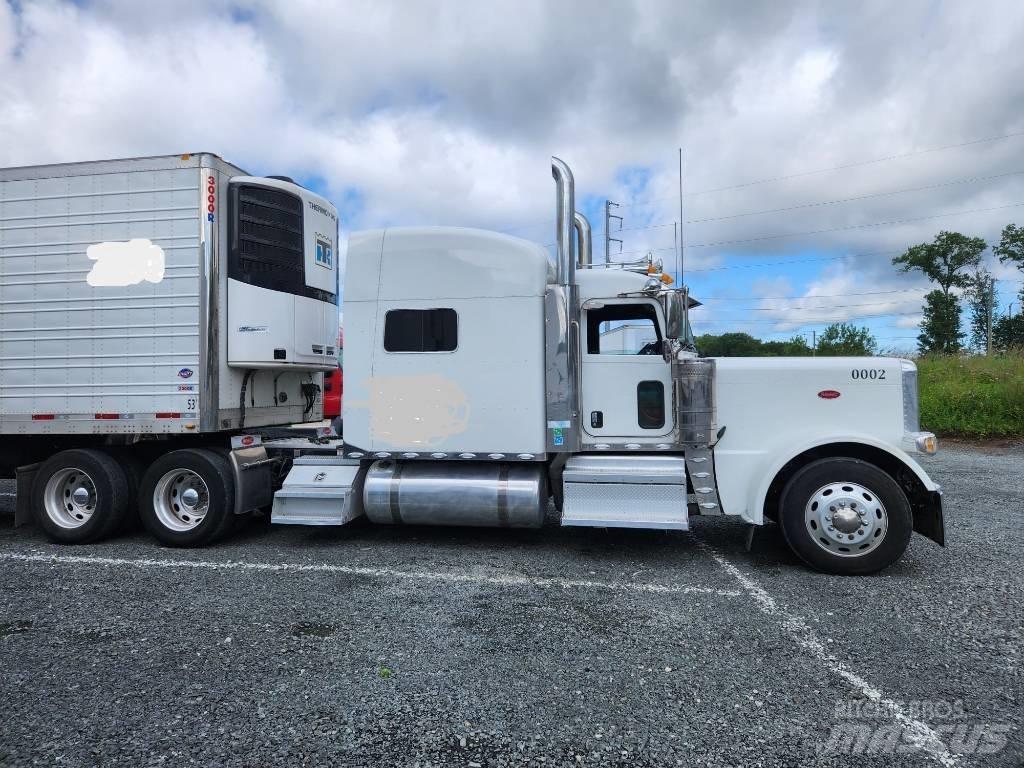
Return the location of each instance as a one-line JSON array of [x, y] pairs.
[[626, 383]]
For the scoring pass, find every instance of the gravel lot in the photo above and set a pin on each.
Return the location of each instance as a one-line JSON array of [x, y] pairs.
[[405, 647]]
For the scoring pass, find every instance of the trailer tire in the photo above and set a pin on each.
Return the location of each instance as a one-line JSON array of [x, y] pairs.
[[134, 470], [845, 516], [80, 496], [187, 498]]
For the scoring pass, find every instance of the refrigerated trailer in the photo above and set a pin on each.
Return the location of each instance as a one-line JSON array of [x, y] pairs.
[[150, 310], [485, 384]]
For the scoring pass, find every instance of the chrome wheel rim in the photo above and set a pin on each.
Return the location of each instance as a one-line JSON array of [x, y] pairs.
[[846, 519], [181, 500], [69, 498]]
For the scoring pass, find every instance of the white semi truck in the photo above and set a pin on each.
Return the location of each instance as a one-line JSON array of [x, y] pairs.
[[478, 391]]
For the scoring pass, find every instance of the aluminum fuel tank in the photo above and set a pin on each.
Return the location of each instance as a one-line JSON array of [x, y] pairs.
[[456, 493]]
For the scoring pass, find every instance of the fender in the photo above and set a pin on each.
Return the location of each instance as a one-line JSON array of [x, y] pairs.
[[756, 501]]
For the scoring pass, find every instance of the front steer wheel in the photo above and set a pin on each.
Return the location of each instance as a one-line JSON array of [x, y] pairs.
[[845, 516], [187, 498]]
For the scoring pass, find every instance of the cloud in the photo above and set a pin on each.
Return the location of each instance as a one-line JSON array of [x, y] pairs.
[[447, 113]]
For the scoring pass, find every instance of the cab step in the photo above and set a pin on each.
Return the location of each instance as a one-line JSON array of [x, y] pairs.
[[609, 490]]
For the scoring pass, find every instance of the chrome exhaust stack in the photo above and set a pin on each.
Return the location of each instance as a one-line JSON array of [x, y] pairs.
[[562, 322], [565, 207], [584, 244]]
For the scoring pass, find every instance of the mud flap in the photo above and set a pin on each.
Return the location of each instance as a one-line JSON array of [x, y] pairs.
[[928, 519], [23, 512]]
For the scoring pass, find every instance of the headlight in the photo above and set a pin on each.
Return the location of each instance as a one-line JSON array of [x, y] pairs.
[[911, 408]]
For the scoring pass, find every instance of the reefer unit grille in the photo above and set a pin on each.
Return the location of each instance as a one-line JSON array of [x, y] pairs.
[[268, 242]]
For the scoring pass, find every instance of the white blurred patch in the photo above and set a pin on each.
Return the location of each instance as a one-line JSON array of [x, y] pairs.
[[125, 263]]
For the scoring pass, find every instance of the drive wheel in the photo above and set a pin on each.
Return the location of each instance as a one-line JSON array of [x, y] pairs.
[[845, 516], [187, 498], [79, 496]]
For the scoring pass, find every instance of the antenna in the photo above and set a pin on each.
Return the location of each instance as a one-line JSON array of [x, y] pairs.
[[682, 260]]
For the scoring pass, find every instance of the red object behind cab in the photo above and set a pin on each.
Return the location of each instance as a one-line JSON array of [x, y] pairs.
[[333, 386]]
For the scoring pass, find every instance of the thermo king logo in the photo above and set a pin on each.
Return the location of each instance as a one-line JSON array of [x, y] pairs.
[[185, 373], [324, 253]]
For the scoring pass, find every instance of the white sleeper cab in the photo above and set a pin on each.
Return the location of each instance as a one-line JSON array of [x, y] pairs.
[[484, 386]]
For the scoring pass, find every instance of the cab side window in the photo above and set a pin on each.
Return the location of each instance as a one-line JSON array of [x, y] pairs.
[[623, 329]]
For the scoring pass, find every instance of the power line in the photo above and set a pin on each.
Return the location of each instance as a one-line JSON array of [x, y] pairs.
[[736, 321], [794, 261], [549, 220], [836, 229], [836, 201], [817, 296], [813, 309], [837, 167]]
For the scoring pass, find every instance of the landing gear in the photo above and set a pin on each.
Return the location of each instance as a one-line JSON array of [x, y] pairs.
[[845, 516]]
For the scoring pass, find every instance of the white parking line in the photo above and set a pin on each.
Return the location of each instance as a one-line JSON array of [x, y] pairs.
[[915, 731], [450, 577]]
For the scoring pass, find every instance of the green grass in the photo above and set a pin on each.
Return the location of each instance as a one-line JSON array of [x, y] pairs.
[[972, 396]]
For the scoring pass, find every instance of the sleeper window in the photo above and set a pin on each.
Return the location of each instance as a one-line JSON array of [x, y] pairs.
[[421, 330]]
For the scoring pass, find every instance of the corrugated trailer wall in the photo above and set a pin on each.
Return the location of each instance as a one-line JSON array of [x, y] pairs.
[[82, 339]]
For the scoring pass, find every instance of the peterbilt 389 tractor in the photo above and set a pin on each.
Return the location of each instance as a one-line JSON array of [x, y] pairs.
[[485, 385]]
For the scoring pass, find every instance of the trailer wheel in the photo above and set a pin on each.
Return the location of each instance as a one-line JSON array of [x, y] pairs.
[[845, 516], [134, 468], [79, 496], [187, 498]]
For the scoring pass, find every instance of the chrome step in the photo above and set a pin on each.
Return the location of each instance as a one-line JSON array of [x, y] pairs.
[[700, 466], [625, 491]]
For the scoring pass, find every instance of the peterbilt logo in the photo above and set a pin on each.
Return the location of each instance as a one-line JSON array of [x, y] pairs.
[[185, 373]]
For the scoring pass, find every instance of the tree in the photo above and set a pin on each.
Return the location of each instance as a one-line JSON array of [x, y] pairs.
[[745, 345], [946, 260], [940, 327], [1008, 333], [980, 307], [797, 346], [1011, 248], [846, 339], [729, 345]]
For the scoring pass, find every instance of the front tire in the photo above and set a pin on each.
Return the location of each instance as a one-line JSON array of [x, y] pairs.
[[845, 516], [80, 496], [187, 498]]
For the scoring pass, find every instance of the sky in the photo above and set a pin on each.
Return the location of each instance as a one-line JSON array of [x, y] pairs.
[[819, 139]]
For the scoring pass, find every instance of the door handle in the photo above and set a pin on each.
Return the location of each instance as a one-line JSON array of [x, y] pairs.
[[596, 419]]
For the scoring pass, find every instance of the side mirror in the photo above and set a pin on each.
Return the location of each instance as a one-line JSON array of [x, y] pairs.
[[674, 315]]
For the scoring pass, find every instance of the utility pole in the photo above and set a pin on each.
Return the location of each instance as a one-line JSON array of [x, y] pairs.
[[814, 343], [991, 309], [608, 239]]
